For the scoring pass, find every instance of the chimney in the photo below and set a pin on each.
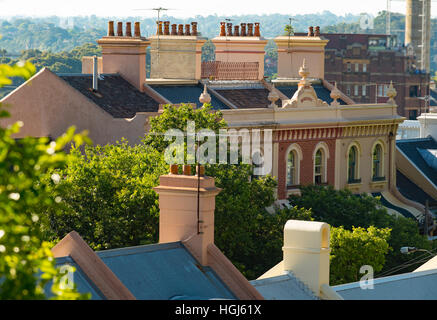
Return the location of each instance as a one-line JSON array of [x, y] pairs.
[[159, 27], [292, 50], [166, 28], [310, 32], [317, 32], [187, 205], [222, 29], [237, 31], [125, 55], [177, 55], [306, 252], [257, 31], [246, 48], [95, 74]]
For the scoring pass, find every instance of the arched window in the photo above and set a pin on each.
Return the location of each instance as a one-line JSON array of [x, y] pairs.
[[377, 162], [291, 168], [319, 170], [353, 165]]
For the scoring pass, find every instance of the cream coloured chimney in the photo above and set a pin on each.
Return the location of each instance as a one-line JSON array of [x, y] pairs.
[[306, 253], [180, 197]]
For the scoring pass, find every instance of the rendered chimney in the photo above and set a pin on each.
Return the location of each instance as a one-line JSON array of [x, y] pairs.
[[243, 30], [137, 29], [95, 74], [119, 29], [166, 28], [250, 29], [174, 29], [306, 252], [111, 29], [187, 30], [257, 31], [194, 28], [222, 29], [126, 56], [128, 29], [181, 219]]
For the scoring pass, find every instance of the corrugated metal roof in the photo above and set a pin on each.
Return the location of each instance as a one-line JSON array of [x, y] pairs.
[[284, 287], [83, 283], [408, 286], [164, 272], [186, 94]]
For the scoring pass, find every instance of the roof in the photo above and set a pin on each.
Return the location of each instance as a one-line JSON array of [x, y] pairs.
[[410, 147], [246, 98], [433, 97], [186, 94], [323, 93], [283, 287], [164, 272], [408, 286], [115, 95], [411, 191]]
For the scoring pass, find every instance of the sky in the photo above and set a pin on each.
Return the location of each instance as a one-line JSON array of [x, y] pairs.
[[189, 8]]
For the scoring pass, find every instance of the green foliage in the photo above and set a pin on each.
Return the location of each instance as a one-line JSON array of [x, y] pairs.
[[107, 196], [26, 262], [353, 249], [342, 208], [288, 30]]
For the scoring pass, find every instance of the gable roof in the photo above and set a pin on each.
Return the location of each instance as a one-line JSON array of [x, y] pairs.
[[412, 191], [115, 95]]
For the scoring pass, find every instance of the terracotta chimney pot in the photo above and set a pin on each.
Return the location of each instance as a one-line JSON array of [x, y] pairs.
[[128, 29], [187, 170], [194, 28], [137, 29], [174, 169], [120, 29], [310, 32], [166, 28], [187, 30], [180, 30], [173, 29], [111, 29], [229, 25], [237, 31], [243, 30], [257, 32], [159, 27], [317, 32], [222, 29], [201, 170], [250, 29]]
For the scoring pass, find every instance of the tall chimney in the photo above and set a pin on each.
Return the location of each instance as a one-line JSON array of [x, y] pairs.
[[95, 74], [111, 29], [187, 211], [180, 30], [229, 26], [222, 29], [306, 252], [243, 29], [250, 29], [187, 30], [166, 28], [194, 28], [159, 27], [128, 29], [173, 29], [120, 29], [257, 31], [237, 31]]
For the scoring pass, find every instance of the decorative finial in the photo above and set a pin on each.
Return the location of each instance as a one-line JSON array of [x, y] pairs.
[[391, 93], [205, 97], [335, 95], [304, 73], [273, 97]]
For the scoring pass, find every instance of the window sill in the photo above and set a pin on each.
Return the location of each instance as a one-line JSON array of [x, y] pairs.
[[354, 186], [378, 184]]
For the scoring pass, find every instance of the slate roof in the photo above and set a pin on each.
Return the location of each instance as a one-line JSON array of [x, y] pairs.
[[409, 286], [247, 98], [157, 272], [284, 287], [410, 148], [187, 94], [115, 95], [411, 191]]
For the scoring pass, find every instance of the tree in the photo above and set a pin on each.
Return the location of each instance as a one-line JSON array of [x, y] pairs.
[[27, 266], [107, 196], [354, 249]]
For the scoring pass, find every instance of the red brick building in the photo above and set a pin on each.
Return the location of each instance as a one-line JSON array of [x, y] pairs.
[[363, 66]]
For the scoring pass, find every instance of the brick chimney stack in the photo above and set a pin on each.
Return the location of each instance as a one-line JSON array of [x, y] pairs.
[[181, 218]]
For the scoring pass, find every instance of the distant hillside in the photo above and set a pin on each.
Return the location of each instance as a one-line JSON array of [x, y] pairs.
[[57, 34]]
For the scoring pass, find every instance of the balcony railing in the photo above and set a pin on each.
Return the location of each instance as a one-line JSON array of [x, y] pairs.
[[219, 70]]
